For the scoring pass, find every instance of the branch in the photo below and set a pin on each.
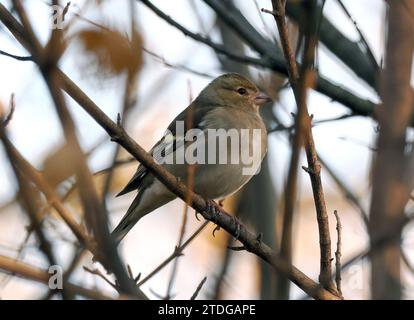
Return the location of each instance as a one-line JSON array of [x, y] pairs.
[[29, 200], [221, 217], [53, 199], [338, 253], [390, 234], [389, 192], [290, 189], [19, 58], [348, 193], [195, 294], [178, 251], [12, 107], [102, 276], [349, 52], [215, 46], [272, 61], [190, 184], [299, 85], [47, 58], [361, 36], [26, 271]]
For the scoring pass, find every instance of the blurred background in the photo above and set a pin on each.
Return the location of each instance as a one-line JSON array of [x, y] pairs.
[[170, 69]]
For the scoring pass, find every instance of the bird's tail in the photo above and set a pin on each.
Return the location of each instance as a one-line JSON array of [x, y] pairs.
[[130, 218]]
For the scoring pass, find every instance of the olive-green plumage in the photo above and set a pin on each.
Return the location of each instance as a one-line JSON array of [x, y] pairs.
[[229, 102]]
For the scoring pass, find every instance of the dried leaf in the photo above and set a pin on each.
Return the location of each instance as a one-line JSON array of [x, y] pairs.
[[59, 165], [114, 52]]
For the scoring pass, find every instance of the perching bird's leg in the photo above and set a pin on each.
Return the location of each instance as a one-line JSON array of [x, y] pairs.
[[237, 223], [217, 228], [213, 211], [196, 215]]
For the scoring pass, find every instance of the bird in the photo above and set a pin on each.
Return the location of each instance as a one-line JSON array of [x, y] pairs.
[[229, 103]]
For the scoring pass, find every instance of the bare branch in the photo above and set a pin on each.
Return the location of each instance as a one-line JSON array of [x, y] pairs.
[[272, 61], [19, 58], [222, 218], [195, 294], [26, 271], [389, 189], [12, 107], [361, 36], [47, 58], [300, 84], [338, 253], [178, 251], [102, 276]]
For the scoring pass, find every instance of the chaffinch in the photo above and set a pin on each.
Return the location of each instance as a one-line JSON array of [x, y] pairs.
[[227, 108]]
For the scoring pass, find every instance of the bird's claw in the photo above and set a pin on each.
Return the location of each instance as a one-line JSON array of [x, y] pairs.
[[212, 210], [238, 227], [217, 228], [259, 238]]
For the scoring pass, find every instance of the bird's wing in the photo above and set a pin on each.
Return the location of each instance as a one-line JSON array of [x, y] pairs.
[[192, 118]]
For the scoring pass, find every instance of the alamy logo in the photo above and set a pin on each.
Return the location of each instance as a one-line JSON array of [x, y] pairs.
[[211, 146], [56, 277]]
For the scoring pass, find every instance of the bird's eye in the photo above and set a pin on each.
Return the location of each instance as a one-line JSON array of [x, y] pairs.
[[242, 91]]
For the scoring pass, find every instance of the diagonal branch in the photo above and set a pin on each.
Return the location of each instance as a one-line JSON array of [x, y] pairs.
[[221, 217], [46, 58], [26, 271], [270, 60]]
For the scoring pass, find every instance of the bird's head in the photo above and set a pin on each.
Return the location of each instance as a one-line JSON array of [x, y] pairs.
[[233, 90]]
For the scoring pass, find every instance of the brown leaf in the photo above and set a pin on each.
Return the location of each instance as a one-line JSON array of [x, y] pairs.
[[59, 165], [114, 52]]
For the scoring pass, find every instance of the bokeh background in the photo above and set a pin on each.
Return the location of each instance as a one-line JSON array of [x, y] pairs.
[[163, 88]]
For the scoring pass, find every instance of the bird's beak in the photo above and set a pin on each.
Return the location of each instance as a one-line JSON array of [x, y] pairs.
[[261, 98]]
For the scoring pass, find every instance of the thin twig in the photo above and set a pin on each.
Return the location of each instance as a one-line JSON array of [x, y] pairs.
[[290, 193], [102, 276], [362, 38], [178, 251], [281, 127], [390, 234], [12, 107], [195, 294], [217, 47], [349, 195], [30, 201], [338, 253], [270, 54], [190, 184], [26, 271], [37, 178], [178, 67], [19, 58], [300, 84]]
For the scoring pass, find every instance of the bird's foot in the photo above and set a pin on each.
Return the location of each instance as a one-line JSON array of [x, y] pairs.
[[217, 228], [237, 224], [220, 202], [213, 210], [259, 238]]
